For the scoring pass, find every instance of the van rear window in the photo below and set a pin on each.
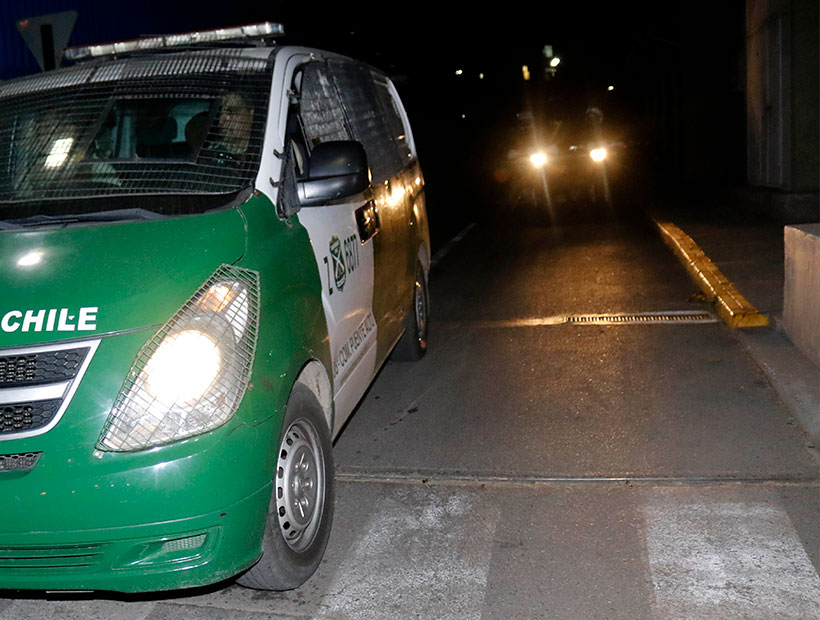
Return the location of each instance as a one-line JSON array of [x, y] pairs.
[[179, 124]]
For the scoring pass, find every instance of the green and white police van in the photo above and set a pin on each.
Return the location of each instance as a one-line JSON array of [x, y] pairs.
[[209, 244]]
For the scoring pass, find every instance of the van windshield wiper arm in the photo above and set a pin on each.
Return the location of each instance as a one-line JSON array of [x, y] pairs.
[[120, 215]]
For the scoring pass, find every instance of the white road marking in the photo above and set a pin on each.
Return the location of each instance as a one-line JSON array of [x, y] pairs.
[[713, 558], [449, 246], [446, 549]]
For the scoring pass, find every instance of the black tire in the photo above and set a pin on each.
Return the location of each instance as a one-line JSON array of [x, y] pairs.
[[293, 544], [413, 344]]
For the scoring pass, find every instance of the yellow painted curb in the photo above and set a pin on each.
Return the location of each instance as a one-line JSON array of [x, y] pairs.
[[732, 307]]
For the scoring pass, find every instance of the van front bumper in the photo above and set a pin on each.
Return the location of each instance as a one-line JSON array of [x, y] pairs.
[[190, 552], [183, 515]]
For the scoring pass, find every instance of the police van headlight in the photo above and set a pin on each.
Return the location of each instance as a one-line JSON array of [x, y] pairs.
[[184, 366], [192, 375]]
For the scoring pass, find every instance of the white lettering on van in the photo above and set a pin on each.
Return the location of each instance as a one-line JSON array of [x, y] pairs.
[[6, 325], [50, 320], [64, 325], [36, 319], [351, 346], [52, 314], [88, 319]]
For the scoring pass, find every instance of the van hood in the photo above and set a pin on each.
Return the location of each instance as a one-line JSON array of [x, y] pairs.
[[88, 280]]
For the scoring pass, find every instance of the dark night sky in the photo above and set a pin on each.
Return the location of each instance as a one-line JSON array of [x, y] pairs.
[[423, 38], [675, 64], [602, 40]]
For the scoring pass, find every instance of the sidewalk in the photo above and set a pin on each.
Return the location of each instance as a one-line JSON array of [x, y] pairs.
[[748, 250]]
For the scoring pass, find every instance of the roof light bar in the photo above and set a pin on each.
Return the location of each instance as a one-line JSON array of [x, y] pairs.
[[202, 37]]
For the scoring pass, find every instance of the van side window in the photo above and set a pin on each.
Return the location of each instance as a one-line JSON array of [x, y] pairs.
[[392, 118], [366, 118], [342, 100], [315, 115], [320, 107]]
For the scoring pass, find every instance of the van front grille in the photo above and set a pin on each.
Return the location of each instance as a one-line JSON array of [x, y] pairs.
[[40, 368], [28, 557], [19, 462], [21, 417], [37, 384]]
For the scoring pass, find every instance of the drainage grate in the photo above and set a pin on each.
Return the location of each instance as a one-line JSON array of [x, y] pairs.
[[642, 317], [638, 318]]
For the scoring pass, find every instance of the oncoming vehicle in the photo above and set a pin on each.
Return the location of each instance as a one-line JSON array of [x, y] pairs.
[[565, 157], [207, 253]]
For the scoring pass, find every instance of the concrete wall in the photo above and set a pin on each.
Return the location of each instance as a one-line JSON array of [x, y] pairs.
[[782, 91], [768, 90], [805, 101], [801, 291]]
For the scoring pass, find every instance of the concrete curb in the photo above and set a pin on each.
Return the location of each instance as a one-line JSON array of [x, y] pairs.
[[792, 375], [732, 307]]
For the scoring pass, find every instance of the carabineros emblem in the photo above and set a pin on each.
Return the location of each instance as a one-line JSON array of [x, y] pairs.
[[339, 270]]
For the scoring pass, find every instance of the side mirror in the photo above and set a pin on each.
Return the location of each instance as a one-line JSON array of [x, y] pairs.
[[335, 170]]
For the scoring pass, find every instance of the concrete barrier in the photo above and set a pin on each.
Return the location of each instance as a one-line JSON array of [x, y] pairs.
[[801, 290]]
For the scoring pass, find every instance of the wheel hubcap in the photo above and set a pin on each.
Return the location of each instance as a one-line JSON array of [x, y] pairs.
[[421, 308], [300, 485]]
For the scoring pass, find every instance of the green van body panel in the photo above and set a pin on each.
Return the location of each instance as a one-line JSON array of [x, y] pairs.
[[293, 330], [136, 273], [101, 520]]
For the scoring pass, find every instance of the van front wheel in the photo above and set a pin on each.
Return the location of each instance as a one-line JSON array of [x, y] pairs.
[[301, 506]]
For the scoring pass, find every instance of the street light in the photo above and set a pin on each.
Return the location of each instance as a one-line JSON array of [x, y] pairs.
[[555, 62]]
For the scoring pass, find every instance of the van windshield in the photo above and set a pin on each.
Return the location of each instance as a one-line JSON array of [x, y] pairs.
[[132, 134]]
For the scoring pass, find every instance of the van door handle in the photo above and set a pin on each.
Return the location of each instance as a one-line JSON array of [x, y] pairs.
[[367, 219]]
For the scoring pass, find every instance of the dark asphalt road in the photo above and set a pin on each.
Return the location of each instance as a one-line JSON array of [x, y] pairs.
[[488, 479], [495, 397]]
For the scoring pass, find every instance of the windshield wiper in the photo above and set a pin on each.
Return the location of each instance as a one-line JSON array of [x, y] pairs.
[[120, 215]]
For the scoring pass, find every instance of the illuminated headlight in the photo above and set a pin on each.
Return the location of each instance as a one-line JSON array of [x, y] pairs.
[[598, 154], [191, 376], [538, 159], [183, 367]]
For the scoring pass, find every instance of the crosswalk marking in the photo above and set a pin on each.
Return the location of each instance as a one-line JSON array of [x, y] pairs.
[[445, 544], [504, 550], [713, 557]]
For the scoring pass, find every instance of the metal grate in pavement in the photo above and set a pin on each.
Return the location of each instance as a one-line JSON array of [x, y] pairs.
[[642, 317], [637, 318]]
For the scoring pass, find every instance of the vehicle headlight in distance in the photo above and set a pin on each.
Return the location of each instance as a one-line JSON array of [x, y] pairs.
[[192, 375], [598, 154], [538, 159]]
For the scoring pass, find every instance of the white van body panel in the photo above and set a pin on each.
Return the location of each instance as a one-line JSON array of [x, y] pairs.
[[347, 302], [345, 264]]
